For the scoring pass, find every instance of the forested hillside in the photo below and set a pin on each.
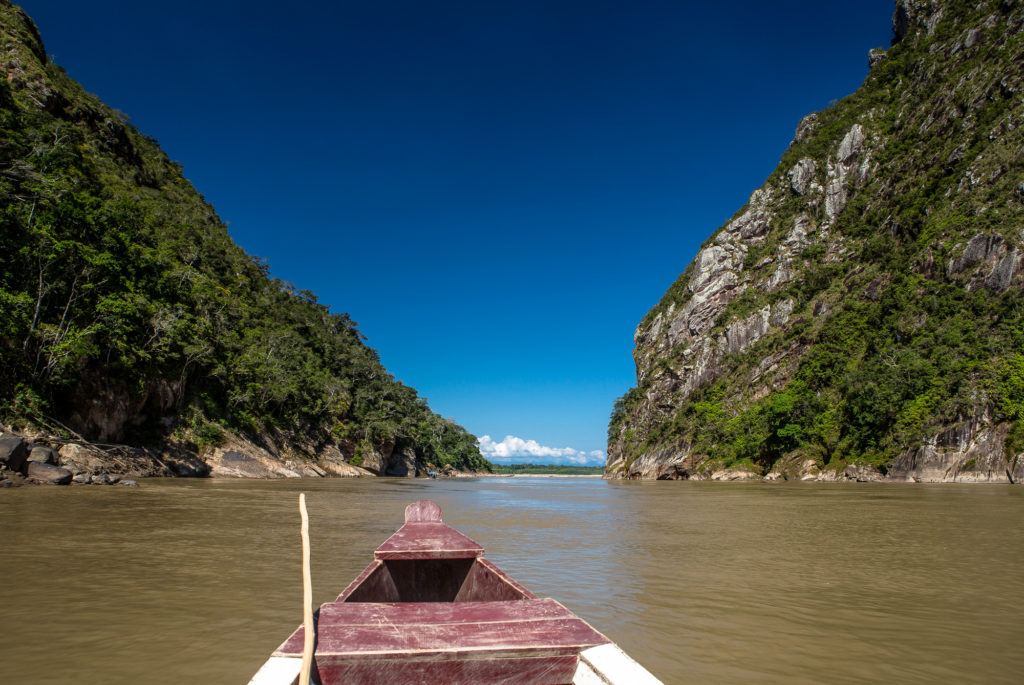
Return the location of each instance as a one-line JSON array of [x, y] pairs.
[[128, 315]]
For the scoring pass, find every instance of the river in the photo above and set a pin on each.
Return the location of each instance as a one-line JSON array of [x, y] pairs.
[[198, 580]]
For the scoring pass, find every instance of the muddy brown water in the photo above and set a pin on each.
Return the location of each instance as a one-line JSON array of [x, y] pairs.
[[197, 581]]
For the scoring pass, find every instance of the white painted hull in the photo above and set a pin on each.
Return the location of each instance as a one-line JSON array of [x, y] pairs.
[[601, 665]]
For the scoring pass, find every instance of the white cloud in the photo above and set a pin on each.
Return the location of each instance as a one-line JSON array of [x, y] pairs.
[[513, 450]]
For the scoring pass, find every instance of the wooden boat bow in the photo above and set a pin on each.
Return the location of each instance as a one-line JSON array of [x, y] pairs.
[[430, 608]]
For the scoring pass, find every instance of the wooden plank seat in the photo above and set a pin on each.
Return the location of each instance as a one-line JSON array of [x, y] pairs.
[[518, 641]]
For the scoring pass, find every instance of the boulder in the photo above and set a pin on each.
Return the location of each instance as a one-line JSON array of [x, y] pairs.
[[344, 470], [253, 462], [809, 469], [309, 470], [48, 473], [100, 479], [82, 478], [862, 473], [80, 459], [731, 474], [43, 454], [240, 465], [13, 452], [185, 464]]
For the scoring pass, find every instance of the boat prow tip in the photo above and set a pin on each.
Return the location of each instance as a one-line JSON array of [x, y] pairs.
[[423, 511]]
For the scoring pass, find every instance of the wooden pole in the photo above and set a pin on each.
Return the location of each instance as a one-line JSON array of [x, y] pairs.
[[307, 597]]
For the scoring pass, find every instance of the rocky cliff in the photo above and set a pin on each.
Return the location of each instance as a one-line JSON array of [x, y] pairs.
[[862, 315], [135, 335]]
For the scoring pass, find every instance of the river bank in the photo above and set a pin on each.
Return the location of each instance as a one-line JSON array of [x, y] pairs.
[[47, 459], [961, 456]]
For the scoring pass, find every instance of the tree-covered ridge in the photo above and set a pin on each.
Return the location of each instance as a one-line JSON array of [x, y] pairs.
[[867, 301], [547, 469], [128, 314]]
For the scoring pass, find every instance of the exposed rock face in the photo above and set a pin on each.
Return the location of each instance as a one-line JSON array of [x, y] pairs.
[[914, 16], [403, 463], [970, 452], [848, 157], [377, 458], [812, 334], [333, 463], [241, 458], [991, 261], [237, 457], [801, 175]]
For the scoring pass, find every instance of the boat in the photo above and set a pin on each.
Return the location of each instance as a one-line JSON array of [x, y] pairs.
[[430, 608]]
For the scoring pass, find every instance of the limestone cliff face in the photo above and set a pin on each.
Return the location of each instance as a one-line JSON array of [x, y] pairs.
[[864, 308]]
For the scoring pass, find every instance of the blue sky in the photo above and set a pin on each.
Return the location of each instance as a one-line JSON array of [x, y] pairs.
[[496, 192]]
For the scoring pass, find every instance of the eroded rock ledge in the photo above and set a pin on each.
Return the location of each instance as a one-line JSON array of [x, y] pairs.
[[46, 459], [972, 451]]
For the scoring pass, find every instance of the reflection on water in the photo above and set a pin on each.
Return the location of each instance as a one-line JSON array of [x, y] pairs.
[[197, 581]]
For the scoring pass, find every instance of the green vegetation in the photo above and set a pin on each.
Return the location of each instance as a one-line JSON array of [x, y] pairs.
[[548, 469], [127, 312], [887, 344]]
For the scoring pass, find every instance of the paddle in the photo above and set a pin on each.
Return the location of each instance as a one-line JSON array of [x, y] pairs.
[[307, 597]]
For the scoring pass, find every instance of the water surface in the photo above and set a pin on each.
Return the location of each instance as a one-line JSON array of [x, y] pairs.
[[198, 581]]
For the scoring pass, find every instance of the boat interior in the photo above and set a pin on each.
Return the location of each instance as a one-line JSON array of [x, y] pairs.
[[433, 580]]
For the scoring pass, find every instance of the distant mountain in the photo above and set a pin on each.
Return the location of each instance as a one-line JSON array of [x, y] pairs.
[[862, 315], [128, 315]]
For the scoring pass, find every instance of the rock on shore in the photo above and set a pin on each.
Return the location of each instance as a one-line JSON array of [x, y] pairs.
[[39, 461]]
